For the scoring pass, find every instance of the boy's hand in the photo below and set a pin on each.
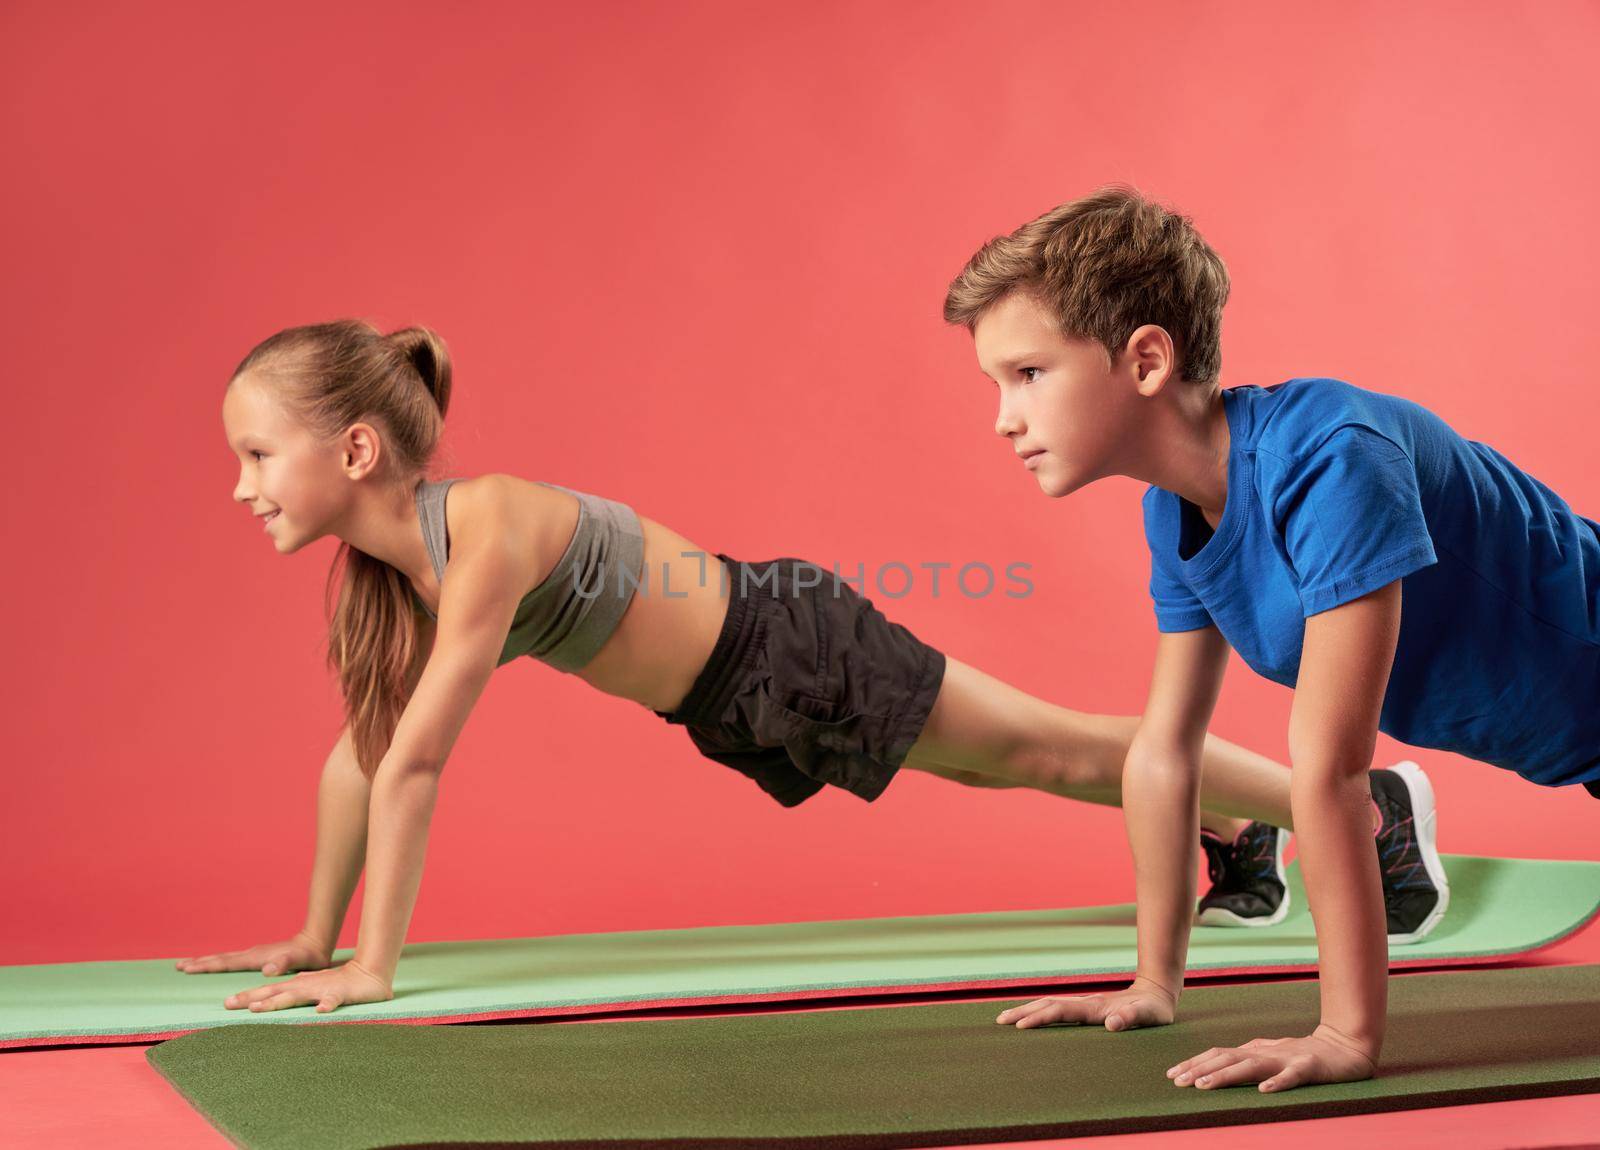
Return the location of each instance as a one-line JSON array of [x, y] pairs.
[[1145, 1003], [1325, 1055], [302, 952], [330, 989]]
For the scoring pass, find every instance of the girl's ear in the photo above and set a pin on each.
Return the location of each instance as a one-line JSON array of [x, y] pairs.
[[361, 448]]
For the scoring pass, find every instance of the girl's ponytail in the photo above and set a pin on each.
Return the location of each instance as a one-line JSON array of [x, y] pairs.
[[427, 353]]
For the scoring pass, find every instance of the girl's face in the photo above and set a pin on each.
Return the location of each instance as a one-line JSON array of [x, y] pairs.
[[285, 475], [1063, 409]]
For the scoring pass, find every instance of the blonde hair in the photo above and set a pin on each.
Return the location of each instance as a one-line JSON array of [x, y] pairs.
[[329, 376], [1103, 266]]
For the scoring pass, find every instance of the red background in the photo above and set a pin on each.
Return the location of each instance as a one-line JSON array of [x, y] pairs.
[[692, 256]]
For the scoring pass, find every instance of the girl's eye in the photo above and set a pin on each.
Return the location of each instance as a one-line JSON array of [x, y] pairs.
[[257, 454], [1026, 378]]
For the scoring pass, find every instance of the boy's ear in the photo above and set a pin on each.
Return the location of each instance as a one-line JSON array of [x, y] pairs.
[[1150, 358]]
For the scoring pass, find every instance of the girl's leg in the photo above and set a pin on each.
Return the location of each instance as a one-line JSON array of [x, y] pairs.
[[983, 732]]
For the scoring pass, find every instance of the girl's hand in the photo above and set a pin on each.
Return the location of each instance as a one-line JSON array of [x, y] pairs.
[[330, 989], [1325, 1055], [302, 952], [1145, 1003]]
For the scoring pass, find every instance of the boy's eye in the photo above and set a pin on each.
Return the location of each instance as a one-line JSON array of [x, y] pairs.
[[257, 454], [1027, 378]]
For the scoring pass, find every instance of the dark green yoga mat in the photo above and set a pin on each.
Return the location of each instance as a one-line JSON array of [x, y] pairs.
[[876, 1077], [1499, 909]]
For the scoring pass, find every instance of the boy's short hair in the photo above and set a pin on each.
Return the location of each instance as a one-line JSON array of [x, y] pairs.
[[1104, 265]]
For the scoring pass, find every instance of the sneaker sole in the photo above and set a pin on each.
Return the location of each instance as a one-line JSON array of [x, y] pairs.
[[1217, 916], [1425, 819]]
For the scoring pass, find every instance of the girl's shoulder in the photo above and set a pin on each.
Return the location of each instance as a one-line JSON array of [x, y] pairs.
[[534, 519], [496, 500]]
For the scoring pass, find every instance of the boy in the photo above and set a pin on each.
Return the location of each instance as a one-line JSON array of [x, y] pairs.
[[1347, 544]]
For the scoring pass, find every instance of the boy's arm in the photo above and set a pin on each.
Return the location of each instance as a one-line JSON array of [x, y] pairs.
[[1161, 801], [1333, 731], [1333, 728], [1161, 796]]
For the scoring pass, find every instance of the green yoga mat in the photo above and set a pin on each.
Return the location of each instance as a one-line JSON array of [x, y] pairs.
[[876, 1077], [1499, 909]]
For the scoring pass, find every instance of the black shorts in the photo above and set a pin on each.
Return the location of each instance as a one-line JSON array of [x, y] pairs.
[[808, 684]]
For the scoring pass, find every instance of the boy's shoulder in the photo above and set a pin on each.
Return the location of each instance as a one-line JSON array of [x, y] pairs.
[[1285, 425], [1290, 420], [1288, 410]]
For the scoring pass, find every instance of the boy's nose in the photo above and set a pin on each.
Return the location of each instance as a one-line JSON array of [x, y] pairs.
[[1007, 423]]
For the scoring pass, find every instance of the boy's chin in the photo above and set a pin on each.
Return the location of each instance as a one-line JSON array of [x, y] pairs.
[[1057, 486]]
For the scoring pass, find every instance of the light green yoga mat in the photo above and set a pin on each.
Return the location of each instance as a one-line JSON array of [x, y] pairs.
[[873, 1078], [1499, 909]]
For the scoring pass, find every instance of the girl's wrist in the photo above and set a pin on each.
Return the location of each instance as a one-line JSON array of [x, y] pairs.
[[306, 934], [384, 978], [382, 971]]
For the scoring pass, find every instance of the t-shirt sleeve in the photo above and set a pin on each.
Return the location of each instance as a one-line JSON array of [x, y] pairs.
[[1349, 515], [1177, 607]]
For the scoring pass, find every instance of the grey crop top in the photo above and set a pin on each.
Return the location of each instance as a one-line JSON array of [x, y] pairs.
[[556, 623]]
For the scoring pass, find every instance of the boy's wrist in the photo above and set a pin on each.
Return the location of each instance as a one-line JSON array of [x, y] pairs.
[[1168, 984], [1367, 1042]]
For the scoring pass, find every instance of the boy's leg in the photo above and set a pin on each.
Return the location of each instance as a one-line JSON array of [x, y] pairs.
[[984, 732]]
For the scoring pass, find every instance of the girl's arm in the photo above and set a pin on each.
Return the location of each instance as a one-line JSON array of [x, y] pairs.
[[343, 795], [335, 870], [1333, 729], [488, 573], [1161, 806], [342, 798]]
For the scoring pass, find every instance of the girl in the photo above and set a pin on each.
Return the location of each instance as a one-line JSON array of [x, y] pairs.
[[774, 668]]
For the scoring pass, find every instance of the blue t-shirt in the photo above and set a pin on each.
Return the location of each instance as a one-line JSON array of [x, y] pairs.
[[1335, 491]]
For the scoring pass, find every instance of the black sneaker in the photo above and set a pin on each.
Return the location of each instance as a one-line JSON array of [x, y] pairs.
[[1247, 884], [1415, 890]]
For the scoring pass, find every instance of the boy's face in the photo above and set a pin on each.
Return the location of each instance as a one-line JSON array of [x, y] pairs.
[[1061, 406]]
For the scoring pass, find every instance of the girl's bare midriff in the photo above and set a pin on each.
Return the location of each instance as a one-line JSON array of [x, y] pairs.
[[661, 642]]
